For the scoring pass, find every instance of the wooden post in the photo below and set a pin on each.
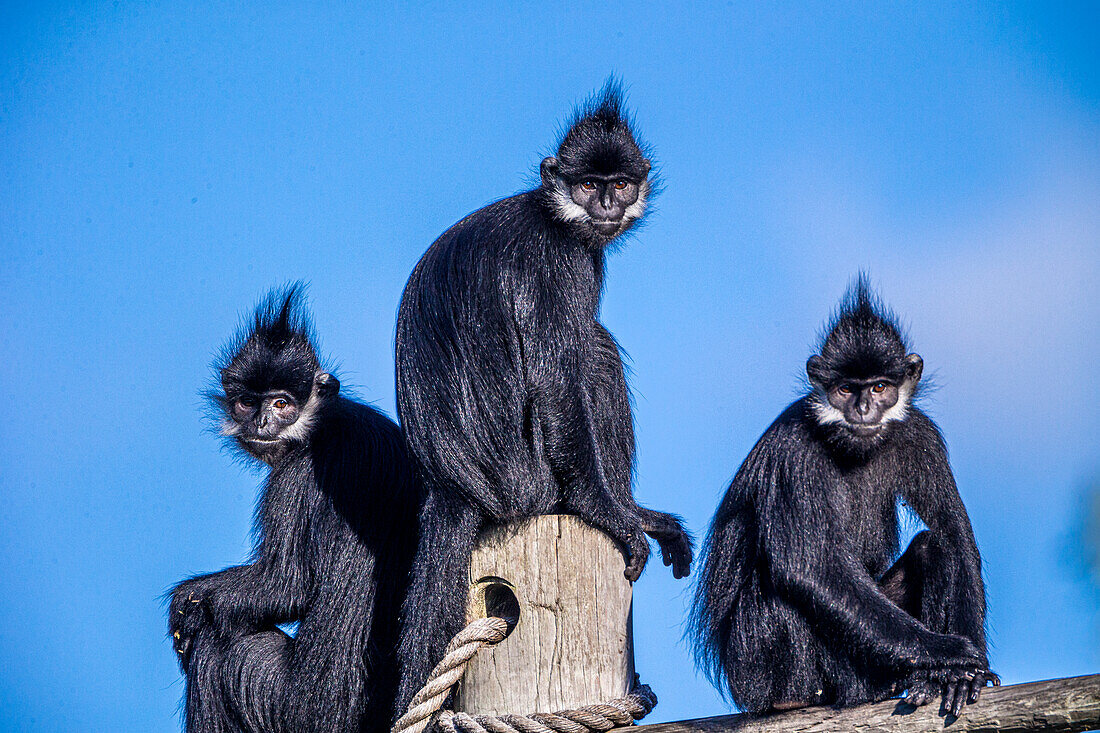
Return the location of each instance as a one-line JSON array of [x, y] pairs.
[[571, 645]]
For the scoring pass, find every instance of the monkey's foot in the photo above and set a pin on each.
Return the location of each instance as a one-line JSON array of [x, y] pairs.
[[637, 552]]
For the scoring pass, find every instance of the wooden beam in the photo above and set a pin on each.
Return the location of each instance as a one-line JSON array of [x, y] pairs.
[[1068, 705]]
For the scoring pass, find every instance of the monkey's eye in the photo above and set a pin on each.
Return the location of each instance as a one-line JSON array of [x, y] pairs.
[[589, 185], [620, 185], [879, 388], [844, 390], [279, 404], [246, 402]]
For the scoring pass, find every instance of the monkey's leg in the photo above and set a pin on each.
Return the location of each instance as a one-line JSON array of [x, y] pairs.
[[237, 685], [335, 674], [435, 607], [920, 583]]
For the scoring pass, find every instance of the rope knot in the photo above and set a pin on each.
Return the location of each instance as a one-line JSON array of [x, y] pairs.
[[425, 708]]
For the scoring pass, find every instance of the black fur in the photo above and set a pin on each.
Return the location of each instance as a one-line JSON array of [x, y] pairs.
[[798, 603], [511, 393], [336, 534]]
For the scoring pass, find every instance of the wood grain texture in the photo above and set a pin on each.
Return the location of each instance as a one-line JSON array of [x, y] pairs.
[[572, 645], [1066, 705]]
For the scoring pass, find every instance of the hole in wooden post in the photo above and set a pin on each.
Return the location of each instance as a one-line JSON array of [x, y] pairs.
[[495, 597]]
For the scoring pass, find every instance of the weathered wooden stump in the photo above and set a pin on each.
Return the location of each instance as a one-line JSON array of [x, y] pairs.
[[571, 644]]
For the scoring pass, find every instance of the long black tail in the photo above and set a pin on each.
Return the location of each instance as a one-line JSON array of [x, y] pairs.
[[435, 608]]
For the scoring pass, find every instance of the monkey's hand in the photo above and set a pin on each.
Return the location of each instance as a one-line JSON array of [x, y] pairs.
[[675, 550], [187, 614], [942, 652], [958, 687], [953, 666], [674, 540], [964, 686]]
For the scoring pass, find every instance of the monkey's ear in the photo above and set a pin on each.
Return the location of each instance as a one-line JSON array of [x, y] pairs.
[[815, 370], [647, 166], [914, 367], [327, 385], [549, 171]]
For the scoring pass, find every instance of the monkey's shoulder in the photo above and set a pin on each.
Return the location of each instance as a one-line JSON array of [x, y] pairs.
[[778, 455], [917, 433], [360, 439], [493, 229]]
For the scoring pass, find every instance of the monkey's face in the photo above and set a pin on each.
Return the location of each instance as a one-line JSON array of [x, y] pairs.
[[597, 204], [267, 424], [860, 410], [606, 201], [864, 404], [263, 422]]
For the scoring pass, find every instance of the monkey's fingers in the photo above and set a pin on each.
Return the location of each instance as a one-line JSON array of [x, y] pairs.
[[959, 691], [679, 554], [922, 693], [983, 678], [183, 650]]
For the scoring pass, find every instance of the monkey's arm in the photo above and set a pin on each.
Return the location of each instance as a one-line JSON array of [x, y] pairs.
[[811, 564], [574, 453], [957, 590], [271, 589], [230, 601], [952, 591]]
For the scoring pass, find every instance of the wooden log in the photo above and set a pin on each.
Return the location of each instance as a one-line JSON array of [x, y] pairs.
[[1064, 706], [571, 645]]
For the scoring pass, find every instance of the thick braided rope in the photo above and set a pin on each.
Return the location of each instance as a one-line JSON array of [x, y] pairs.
[[621, 711], [444, 675], [600, 717]]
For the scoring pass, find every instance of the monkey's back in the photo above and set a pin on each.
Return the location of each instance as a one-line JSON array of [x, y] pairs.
[[466, 366]]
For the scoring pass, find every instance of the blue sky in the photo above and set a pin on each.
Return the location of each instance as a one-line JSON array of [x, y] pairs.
[[163, 166]]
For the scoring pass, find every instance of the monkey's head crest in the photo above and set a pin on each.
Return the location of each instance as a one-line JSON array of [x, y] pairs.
[[600, 139], [275, 349], [864, 339]]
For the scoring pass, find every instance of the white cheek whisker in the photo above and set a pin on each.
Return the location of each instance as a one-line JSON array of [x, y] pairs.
[[900, 410], [299, 431], [565, 208], [824, 412], [637, 209]]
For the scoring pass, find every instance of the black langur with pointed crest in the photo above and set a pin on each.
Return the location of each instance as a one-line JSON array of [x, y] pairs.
[[798, 602], [510, 392], [336, 529]]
